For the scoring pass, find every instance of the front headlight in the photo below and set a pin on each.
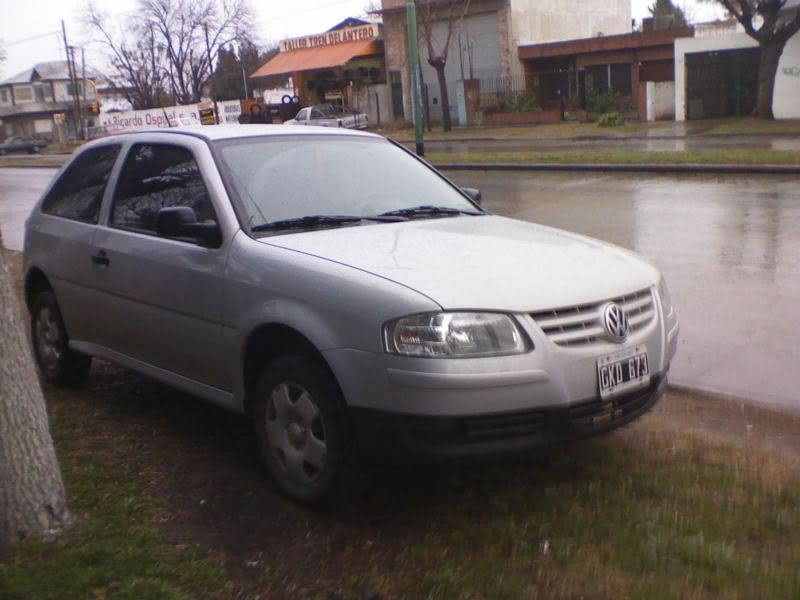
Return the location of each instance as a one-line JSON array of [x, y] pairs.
[[455, 335], [666, 301]]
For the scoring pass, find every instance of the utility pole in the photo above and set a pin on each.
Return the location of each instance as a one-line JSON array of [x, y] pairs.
[[84, 121], [413, 59], [211, 76], [73, 78], [244, 80]]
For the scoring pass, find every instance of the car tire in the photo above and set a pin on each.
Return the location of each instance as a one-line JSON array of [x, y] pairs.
[[303, 431], [58, 364]]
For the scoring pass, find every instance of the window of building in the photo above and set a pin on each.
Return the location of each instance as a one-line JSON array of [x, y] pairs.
[[621, 79], [23, 93], [78, 193], [4, 95], [70, 88], [156, 176], [597, 77], [38, 92]]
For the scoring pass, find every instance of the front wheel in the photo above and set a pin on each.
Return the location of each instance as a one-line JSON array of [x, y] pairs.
[[59, 365], [303, 431]]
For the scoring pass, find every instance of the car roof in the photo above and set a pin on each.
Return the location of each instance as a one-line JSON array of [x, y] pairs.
[[230, 132]]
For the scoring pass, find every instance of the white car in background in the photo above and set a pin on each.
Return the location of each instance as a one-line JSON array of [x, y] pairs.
[[326, 115]]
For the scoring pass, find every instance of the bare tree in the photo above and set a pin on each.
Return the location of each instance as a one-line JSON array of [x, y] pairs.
[[775, 30], [450, 14], [138, 64], [163, 45], [181, 26], [32, 499]]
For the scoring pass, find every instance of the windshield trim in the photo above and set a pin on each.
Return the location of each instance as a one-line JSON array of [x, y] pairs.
[[238, 202]]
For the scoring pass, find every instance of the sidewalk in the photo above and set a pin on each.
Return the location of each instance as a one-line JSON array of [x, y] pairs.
[[574, 131]]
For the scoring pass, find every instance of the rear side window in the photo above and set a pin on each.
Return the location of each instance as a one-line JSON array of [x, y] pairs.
[[78, 193], [155, 176]]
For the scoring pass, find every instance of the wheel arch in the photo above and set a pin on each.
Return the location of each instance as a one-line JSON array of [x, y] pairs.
[[36, 282], [267, 342]]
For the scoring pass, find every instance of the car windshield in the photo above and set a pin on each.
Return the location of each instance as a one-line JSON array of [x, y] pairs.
[[291, 177]]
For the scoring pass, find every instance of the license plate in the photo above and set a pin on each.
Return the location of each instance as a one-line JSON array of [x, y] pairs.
[[623, 371]]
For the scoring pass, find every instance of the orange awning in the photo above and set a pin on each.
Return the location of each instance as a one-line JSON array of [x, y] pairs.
[[323, 57]]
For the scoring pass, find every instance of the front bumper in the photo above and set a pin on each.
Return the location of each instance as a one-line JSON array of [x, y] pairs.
[[400, 437]]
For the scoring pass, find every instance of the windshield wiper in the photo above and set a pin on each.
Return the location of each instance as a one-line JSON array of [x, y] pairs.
[[308, 221], [427, 210]]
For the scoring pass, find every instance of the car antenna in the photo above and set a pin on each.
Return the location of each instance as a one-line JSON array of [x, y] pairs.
[[166, 116]]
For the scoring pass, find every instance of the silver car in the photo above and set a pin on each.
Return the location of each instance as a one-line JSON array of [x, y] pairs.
[[341, 293]]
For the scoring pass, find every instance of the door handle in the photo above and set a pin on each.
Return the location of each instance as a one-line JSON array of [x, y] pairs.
[[101, 259]]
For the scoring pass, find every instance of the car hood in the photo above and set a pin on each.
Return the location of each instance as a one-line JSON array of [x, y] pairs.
[[488, 262]]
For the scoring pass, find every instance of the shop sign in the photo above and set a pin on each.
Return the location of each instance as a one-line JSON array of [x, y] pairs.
[[331, 38], [206, 112]]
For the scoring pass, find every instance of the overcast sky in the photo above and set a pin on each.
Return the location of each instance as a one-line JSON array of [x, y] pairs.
[[41, 19]]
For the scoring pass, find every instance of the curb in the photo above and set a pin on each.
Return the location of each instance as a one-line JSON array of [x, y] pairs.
[[626, 168]]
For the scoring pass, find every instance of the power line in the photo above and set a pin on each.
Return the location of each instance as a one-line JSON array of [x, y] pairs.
[[32, 38]]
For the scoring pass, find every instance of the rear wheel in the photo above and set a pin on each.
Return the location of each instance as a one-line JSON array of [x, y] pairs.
[[59, 365], [303, 431]]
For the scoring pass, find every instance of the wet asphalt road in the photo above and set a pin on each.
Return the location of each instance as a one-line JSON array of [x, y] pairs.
[[728, 246]]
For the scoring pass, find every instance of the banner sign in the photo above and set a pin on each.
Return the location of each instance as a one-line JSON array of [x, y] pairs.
[[331, 38], [152, 118]]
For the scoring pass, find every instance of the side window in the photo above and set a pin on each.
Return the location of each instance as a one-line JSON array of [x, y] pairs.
[[78, 193], [317, 114], [155, 176], [303, 116]]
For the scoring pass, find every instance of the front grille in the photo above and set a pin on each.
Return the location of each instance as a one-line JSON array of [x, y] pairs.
[[597, 413], [582, 325], [523, 424]]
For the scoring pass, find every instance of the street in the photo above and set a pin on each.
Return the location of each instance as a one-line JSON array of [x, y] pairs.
[[729, 248]]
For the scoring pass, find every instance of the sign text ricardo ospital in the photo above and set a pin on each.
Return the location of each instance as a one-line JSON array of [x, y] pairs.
[[330, 38]]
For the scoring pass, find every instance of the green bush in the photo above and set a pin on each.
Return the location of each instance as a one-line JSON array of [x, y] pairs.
[[519, 102], [599, 102], [611, 119]]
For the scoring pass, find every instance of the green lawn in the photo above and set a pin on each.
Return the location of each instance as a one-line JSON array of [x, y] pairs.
[[711, 157], [115, 549], [650, 514]]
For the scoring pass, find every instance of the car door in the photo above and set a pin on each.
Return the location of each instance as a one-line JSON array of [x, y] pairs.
[[164, 295], [303, 116], [60, 233]]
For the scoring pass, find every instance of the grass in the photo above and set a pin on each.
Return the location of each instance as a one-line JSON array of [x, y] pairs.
[[739, 156], [651, 513], [114, 550]]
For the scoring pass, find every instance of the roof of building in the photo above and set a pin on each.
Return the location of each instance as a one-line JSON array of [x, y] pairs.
[[322, 57], [54, 69], [624, 41], [350, 22]]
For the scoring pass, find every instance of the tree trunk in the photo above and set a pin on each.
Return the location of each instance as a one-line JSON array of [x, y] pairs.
[[32, 499], [446, 122], [767, 69]]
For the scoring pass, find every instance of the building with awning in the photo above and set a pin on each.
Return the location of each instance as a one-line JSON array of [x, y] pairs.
[[343, 66]]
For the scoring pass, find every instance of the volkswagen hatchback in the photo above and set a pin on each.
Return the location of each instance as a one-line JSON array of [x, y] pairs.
[[343, 295]]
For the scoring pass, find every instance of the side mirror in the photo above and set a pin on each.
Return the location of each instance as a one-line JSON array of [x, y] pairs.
[[181, 222], [474, 195]]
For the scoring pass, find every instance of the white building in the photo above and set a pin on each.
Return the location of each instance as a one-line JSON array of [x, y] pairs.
[[29, 100], [716, 74]]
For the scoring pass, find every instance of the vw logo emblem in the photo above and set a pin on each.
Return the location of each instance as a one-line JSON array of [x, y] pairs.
[[615, 323]]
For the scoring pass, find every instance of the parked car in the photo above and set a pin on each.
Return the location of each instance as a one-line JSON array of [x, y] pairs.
[[327, 115], [385, 316], [21, 143]]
